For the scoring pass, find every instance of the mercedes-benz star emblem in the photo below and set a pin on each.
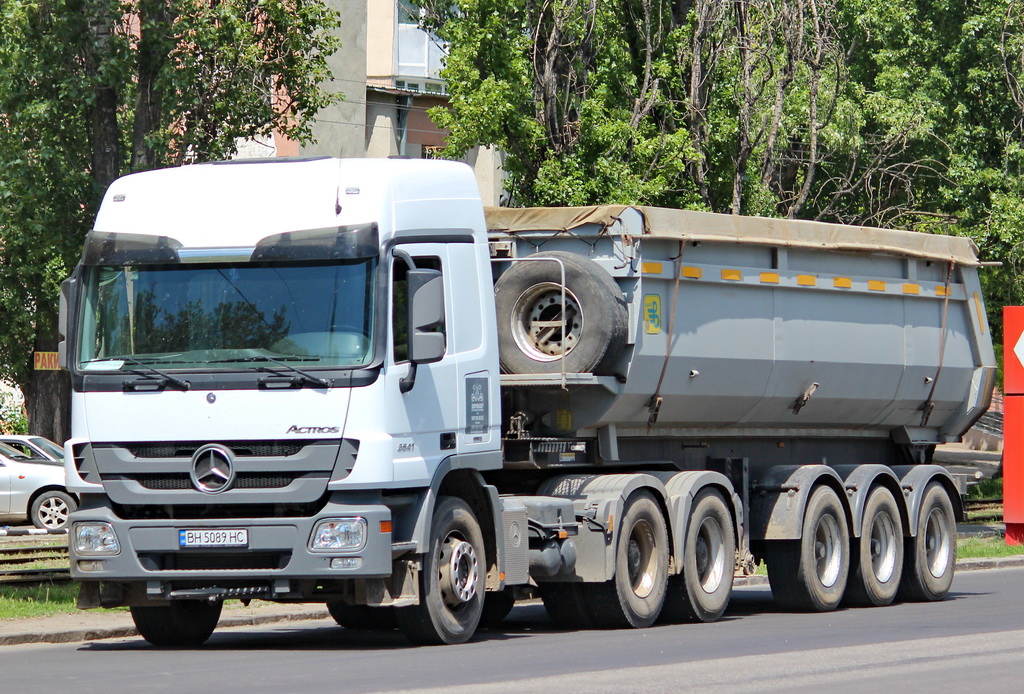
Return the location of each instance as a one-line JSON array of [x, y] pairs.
[[213, 469]]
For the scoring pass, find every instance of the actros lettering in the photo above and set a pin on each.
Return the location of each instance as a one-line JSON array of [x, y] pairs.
[[312, 430]]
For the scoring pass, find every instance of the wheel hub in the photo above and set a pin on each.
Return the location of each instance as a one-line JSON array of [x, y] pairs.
[[459, 571]]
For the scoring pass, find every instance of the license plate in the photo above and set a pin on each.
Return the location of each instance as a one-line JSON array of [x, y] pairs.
[[221, 537]]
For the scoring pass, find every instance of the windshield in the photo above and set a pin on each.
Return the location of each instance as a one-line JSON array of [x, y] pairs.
[[228, 315], [50, 447]]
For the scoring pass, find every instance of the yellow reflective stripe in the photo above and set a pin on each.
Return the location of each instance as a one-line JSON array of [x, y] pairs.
[[842, 282], [941, 291], [733, 275], [693, 273], [911, 288], [807, 280], [650, 268], [876, 285], [770, 277], [981, 318]]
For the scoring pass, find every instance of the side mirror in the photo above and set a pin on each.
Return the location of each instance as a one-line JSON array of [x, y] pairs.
[[426, 316], [68, 289]]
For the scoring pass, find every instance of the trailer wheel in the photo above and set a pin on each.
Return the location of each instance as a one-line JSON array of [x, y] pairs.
[[528, 299], [929, 564], [877, 560], [702, 591], [451, 584], [362, 616], [180, 623], [810, 574], [636, 594], [566, 605]]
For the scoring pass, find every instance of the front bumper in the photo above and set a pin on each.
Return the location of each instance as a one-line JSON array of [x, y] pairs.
[[277, 552]]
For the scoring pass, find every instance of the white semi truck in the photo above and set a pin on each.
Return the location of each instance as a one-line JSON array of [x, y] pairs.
[[346, 382]]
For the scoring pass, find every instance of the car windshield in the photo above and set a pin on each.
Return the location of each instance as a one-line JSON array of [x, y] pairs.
[[48, 446], [228, 315], [12, 453]]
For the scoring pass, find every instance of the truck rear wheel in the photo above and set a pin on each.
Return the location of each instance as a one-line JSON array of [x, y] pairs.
[[180, 623], [877, 561], [929, 564], [451, 584], [636, 595], [362, 616], [528, 299], [810, 574], [701, 592]]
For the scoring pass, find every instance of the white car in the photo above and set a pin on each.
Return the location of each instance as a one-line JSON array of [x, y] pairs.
[[34, 447], [33, 488]]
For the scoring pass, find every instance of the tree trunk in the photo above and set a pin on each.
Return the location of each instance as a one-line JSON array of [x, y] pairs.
[[48, 393]]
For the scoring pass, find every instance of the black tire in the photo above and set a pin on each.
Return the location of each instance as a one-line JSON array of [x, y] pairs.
[[528, 302], [876, 564], [181, 623], [497, 605], [362, 616], [50, 510], [566, 605], [930, 561], [701, 592], [810, 574], [636, 594], [451, 583]]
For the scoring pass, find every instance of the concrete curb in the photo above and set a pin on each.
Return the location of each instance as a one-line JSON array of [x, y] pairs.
[[127, 630]]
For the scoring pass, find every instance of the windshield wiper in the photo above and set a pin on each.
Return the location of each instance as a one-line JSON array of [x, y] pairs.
[[173, 380], [304, 375]]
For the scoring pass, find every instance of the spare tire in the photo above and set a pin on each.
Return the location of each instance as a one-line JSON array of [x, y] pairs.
[[528, 298]]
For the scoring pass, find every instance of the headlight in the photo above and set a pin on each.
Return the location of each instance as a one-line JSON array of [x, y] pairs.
[[339, 533], [96, 538]]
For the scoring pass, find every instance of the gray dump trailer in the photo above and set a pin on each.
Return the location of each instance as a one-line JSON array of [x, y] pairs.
[[379, 396]]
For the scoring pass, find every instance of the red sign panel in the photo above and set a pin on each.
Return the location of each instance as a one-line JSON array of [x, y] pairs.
[[1013, 356]]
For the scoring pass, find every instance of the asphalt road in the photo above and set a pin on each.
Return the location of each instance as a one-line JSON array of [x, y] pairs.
[[974, 640]]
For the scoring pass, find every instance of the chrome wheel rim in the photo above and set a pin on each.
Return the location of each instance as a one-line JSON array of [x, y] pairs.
[[827, 551], [537, 322], [641, 559], [937, 544], [710, 554], [882, 547], [459, 571], [53, 512]]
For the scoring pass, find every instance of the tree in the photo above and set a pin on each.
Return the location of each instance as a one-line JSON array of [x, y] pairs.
[[93, 89], [905, 113]]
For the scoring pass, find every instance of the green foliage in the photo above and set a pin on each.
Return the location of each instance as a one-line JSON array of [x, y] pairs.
[[12, 415], [92, 89], [901, 113]]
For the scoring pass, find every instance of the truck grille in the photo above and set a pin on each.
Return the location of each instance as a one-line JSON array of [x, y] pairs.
[[185, 449], [248, 480]]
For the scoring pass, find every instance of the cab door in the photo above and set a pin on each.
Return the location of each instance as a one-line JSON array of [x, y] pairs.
[[422, 403]]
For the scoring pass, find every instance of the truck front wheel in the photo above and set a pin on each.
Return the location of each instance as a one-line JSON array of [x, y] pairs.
[[451, 582], [180, 623], [702, 591], [930, 561], [810, 574]]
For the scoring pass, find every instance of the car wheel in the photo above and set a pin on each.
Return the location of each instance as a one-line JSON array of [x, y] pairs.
[[51, 509]]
